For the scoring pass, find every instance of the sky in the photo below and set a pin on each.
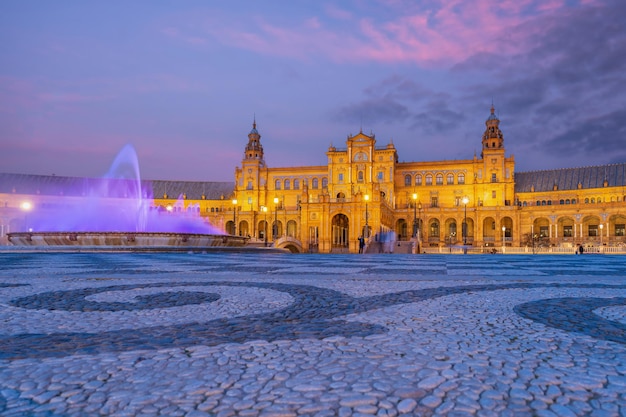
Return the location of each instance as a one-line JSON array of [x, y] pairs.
[[183, 81]]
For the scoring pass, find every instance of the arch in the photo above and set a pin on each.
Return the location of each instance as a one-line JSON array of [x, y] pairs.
[[429, 179], [287, 184], [461, 178], [292, 228], [439, 179], [450, 179], [324, 182], [263, 230], [418, 179], [296, 184], [277, 229], [507, 224], [434, 230], [451, 231], [230, 227], [565, 228], [243, 229], [340, 231], [407, 180], [402, 230], [277, 185], [489, 230], [315, 183], [341, 196]]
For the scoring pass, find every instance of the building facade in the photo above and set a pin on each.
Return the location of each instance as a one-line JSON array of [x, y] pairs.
[[364, 191]]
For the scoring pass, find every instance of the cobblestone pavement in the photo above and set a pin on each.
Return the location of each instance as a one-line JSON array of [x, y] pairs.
[[312, 335]]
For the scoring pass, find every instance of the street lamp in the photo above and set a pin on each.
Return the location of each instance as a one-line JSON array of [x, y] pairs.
[[234, 216], [414, 215], [601, 227], [275, 228], [26, 206], [264, 210], [465, 200], [419, 225], [503, 237], [366, 197]]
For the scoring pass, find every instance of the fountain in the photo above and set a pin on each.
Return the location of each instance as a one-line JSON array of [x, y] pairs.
[[116, 213]]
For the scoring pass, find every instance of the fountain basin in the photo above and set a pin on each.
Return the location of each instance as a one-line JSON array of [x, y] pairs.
[[145, 241]]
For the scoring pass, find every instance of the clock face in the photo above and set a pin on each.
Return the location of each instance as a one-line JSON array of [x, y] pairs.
[[361, 156]]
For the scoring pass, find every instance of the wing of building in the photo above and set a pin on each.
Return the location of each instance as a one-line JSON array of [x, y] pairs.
[[363, 190]]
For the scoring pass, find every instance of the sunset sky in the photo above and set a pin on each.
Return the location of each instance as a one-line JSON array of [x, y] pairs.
[[183, 81]]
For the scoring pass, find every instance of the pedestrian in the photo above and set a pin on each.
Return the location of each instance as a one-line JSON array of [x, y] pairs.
[[581, 249], [361, 243]]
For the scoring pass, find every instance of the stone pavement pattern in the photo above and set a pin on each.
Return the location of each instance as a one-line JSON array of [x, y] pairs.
[[312, 335]]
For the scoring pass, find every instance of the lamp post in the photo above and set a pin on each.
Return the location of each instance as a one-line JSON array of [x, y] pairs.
[[366, 197], [264, 210], [26, 206], [414, 215], [419, 226], [464, 228], [275, 227], [234, 216], [503, 237], [601, 227]]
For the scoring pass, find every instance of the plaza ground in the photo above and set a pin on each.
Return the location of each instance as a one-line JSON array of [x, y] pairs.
[[226, 334]]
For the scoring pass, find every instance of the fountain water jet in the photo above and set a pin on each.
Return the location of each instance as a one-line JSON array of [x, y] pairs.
[[118, 211]]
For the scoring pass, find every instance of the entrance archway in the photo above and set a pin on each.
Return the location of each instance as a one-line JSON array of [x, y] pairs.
[[340, 231]]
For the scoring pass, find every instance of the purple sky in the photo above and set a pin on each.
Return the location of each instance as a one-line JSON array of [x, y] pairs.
[[183, 80]]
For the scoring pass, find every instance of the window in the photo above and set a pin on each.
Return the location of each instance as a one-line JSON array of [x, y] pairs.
[[429, 179], [296, 184], [418, 179], [493, 194], [340, 177], [619, 230], [450, 179], [360, 176], [561, 201], [567, 231], [380, 176], [494, 178], [573, 201], [543, 231], [249, 185], [439, 179], [461, 178], [407, 180], [593, 230], [287, 185], [324, 182], [314, 184], [277, 185], [433, 201]]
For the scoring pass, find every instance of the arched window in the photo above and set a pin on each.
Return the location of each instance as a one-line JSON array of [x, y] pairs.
[[287, 185], [573, 201], [407, 180], [461, 178], [450, 179], [360, 176], [314, 184], [296, 184], [429, 179], [324, 182], [593, 200], [586, 200], [418, 179], [277, 185], [439, 179], [561, 202]]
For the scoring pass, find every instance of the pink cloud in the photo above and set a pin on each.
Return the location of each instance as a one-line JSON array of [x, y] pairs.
[[443, 33]]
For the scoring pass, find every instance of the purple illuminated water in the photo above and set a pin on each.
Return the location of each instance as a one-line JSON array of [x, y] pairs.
[[118, 202]]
